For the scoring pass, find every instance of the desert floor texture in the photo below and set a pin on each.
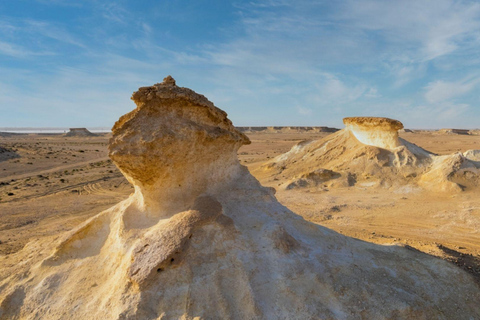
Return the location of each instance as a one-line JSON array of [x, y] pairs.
[[52, 183]]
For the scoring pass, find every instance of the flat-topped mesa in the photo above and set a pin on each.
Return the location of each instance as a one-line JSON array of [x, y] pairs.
[[175, 143], [375, 131]]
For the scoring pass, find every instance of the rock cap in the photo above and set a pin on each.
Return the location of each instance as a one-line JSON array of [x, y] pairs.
[[168, 89], [374, 122]]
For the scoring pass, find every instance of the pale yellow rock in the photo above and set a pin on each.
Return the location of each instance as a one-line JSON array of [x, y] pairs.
[[201, 239], [373, 131]]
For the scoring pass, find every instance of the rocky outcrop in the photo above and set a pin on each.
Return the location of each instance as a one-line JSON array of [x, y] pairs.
[[201, 238], [369, 153], [473, 155]]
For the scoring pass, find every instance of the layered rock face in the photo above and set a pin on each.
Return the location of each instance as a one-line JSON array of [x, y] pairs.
[[369, 153], [201, 239]]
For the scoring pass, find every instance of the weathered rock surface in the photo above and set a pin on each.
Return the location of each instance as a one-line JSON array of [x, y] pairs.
[[201, 238], [473, 155], [369, 153]]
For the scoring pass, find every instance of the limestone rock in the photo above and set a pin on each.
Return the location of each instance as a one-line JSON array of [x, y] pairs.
[[374, 131], [473, 155], [201, 239]]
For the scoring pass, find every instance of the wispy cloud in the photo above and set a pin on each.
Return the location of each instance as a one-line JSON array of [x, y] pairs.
[[13, 50], [439, 91], [66, 3], [17, 51], [114, 12], [428, 29], [51, 31], [304, 111]]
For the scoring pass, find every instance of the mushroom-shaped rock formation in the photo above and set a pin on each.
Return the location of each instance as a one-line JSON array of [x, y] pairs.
[[175, 143], [374, 131], [368, 152], [201, 238]]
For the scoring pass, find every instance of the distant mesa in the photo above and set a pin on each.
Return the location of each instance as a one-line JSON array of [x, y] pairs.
[[454, 131], [200, 238], [79, 132], [369, 153], [288, 129]]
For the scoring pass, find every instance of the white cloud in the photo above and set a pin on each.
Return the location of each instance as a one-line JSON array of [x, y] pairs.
[[50, 31], [114, 12], [13, 50], [304, 111], [331, 90], [372, 93], [17, 51], [435, 116], [426, 29], [439, 90]]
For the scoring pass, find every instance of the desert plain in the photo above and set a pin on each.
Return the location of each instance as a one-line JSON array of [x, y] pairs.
[[50, 183]]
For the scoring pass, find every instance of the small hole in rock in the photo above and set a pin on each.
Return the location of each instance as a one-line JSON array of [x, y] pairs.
[[172, 260], [159, 270]]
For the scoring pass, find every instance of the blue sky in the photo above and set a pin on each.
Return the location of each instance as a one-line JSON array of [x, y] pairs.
[[274, 62]]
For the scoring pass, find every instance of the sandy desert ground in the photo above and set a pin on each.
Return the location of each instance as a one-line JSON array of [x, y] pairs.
[[51, 183]]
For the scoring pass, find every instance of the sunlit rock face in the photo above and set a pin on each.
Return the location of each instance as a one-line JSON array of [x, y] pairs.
[[201, 239], [176, 142], [373, 131]]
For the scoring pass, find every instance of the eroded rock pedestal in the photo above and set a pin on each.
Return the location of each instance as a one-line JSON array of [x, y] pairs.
[[369, 153], [200, 238]]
